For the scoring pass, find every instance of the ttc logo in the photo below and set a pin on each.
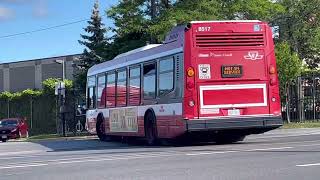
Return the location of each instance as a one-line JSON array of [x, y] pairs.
[[253, 55]]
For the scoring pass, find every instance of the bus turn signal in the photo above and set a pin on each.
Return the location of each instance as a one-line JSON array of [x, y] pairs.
[[190, 72]]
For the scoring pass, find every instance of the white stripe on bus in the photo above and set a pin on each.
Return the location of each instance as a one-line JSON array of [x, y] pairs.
[[238, 86]]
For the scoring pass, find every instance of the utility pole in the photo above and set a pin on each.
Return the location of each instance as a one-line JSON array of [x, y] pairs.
[[60, 91]]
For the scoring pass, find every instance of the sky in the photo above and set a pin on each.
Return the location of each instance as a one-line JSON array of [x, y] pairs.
[[19, 16]]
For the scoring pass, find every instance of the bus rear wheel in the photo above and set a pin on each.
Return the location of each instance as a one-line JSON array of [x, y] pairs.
[[150, 129], [100, 128]]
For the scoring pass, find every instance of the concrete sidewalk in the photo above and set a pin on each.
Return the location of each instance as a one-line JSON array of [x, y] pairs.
[[287, 132]]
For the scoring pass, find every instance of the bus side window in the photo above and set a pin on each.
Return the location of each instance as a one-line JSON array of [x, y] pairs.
[[149, 81], [122, 88], [111, 90], [101, 90], [134, 86], [91, 101], [166, 76]]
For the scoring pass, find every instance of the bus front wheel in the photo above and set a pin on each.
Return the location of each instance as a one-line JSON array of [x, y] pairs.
[[150, 129]]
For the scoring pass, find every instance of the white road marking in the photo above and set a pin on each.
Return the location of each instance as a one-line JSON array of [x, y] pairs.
[[22, 166], [268, 149], [307, 165], [207, 153], [112, 159], [19, 152], [223, 152]]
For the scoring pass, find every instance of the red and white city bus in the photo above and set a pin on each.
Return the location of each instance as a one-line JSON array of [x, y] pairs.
[[212, 78]]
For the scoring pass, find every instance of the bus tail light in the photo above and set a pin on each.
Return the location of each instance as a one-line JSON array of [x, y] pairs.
[[190, 72], [273, 99], [272, 70]]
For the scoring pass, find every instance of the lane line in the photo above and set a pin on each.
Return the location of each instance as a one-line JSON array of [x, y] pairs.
[[112, 159], [20, 152], [268, 149], [208, 153], [308, 165], [22, 166], [224, 152]]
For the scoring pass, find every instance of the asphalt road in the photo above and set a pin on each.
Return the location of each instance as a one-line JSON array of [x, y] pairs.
[[281, 154]]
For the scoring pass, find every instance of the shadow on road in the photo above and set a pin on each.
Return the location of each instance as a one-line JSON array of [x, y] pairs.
[[127, 144]]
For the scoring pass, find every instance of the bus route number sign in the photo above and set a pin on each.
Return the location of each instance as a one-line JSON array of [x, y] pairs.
[[233, 71]]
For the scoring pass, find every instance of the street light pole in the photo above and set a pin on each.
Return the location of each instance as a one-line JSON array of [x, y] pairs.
[[63, 62], [61, 95]]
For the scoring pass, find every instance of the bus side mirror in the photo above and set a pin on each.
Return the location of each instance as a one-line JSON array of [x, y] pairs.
[[275, 32]]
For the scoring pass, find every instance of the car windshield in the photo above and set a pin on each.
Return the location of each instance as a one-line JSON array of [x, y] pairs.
[[8, 122]]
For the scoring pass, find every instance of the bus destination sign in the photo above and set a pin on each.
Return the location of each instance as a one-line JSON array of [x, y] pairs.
[[231, 71]]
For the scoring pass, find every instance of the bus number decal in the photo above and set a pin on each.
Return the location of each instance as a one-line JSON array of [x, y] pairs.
[[204, 29]]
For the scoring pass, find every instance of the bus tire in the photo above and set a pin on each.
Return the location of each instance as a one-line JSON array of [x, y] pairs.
[[100, 128], [150, 128], [228, 139]]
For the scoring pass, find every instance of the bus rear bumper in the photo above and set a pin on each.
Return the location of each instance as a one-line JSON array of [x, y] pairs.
[[231, 123]]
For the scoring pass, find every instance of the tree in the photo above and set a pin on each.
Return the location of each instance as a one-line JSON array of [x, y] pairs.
[[95, 47], [300, 27], [182, 12], [289, 67]]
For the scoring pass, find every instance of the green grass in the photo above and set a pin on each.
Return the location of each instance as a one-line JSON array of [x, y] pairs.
[[55, 136], [309, 124]]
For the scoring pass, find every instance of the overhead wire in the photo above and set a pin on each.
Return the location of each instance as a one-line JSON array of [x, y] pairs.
[[44, 29]]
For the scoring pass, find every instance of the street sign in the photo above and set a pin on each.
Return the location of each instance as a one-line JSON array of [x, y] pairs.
[[60, 88]]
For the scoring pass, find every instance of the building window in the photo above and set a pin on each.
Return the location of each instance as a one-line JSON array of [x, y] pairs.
[[149, 81], [134, 86], [166, 76], [91, 92], [101, 94], [122, 88], [111, 90]]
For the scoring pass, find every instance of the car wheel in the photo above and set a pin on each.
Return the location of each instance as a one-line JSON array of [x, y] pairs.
[[151, 129], [4, 140], [19, 134], [27, 134]]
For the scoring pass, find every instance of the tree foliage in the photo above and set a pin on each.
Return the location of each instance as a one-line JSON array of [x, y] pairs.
[[94, 41], [48, 89], [289, 65], [95, 47], [300, 27]]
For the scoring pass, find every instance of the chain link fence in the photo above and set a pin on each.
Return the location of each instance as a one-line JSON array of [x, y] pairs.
[[42, 113]]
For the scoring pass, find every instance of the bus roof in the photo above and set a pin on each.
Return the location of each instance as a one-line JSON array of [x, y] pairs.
[[174, 44], [227, 21]]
